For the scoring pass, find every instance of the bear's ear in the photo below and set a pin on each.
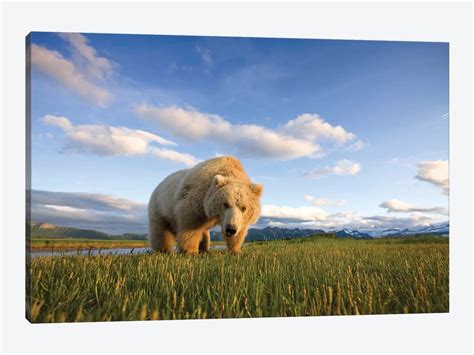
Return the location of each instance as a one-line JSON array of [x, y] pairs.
[[257, 189], [219, 181]]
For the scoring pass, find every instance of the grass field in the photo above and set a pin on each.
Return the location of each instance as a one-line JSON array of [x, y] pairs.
[[304, 277]]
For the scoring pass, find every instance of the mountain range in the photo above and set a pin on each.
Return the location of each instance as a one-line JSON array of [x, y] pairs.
[[273, 233], [52, 231], [437, 229], [267, 233]]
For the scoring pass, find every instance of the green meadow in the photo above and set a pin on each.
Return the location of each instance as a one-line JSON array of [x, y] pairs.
[[313, 276]]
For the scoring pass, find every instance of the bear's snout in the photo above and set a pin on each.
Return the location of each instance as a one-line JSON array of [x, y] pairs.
[[230, 230]]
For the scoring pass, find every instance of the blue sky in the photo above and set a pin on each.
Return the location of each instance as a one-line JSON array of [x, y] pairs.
[[341, 133]]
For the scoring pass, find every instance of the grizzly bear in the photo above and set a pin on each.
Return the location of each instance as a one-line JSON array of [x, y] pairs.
[[186, 204]]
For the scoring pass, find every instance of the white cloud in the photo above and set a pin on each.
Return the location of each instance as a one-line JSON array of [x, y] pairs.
[[357, 145], [415, 219], [109, 140], [314, 128], [70, 75], [297, 138], [85, 200], [395, 205], [58, 121], [277, 224], [342, 167], [316, 218], [187, 123], [86, 56], [324, 201], [305, 213], [81, 73], [174, 156], [205, 55], [434, 172], [355, 220], [316, 201], [252, 140], [102, 212]]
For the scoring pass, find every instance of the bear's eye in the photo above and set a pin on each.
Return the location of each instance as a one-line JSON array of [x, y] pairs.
[[226, 205], [243, 209]]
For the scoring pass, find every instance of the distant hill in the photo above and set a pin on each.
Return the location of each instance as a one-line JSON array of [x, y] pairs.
[[273, 233], [267, 233], [51, 231]]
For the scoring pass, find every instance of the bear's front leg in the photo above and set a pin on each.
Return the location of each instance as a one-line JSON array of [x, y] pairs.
[[205, 242], [188, 241], [234, 244]]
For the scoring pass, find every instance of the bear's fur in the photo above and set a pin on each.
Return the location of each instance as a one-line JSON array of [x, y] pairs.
[[186, 204]]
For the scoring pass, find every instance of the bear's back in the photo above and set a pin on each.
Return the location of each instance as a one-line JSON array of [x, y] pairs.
[[197, 180], [226, 166], [164, 196]]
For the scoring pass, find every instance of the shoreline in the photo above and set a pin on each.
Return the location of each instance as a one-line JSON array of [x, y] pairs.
[[71, 246]]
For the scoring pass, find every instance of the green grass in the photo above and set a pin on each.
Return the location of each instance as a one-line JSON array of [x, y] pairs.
[[306, 277]]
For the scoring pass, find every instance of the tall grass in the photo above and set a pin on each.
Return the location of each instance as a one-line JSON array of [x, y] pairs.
[[320, 276]]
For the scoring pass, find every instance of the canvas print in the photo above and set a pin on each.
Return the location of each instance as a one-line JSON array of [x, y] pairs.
[[191, 177]]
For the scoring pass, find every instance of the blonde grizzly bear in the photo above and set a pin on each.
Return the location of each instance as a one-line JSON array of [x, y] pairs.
[[189, 202]]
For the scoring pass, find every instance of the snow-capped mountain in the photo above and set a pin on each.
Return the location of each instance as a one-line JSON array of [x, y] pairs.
[[273, 233], [438, 228], [387, 232], [351, 233]]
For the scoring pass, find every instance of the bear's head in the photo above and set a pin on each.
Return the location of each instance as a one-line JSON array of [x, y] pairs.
[[235, 204]]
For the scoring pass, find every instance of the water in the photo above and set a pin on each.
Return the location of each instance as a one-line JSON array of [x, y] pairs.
[[94, 252]]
